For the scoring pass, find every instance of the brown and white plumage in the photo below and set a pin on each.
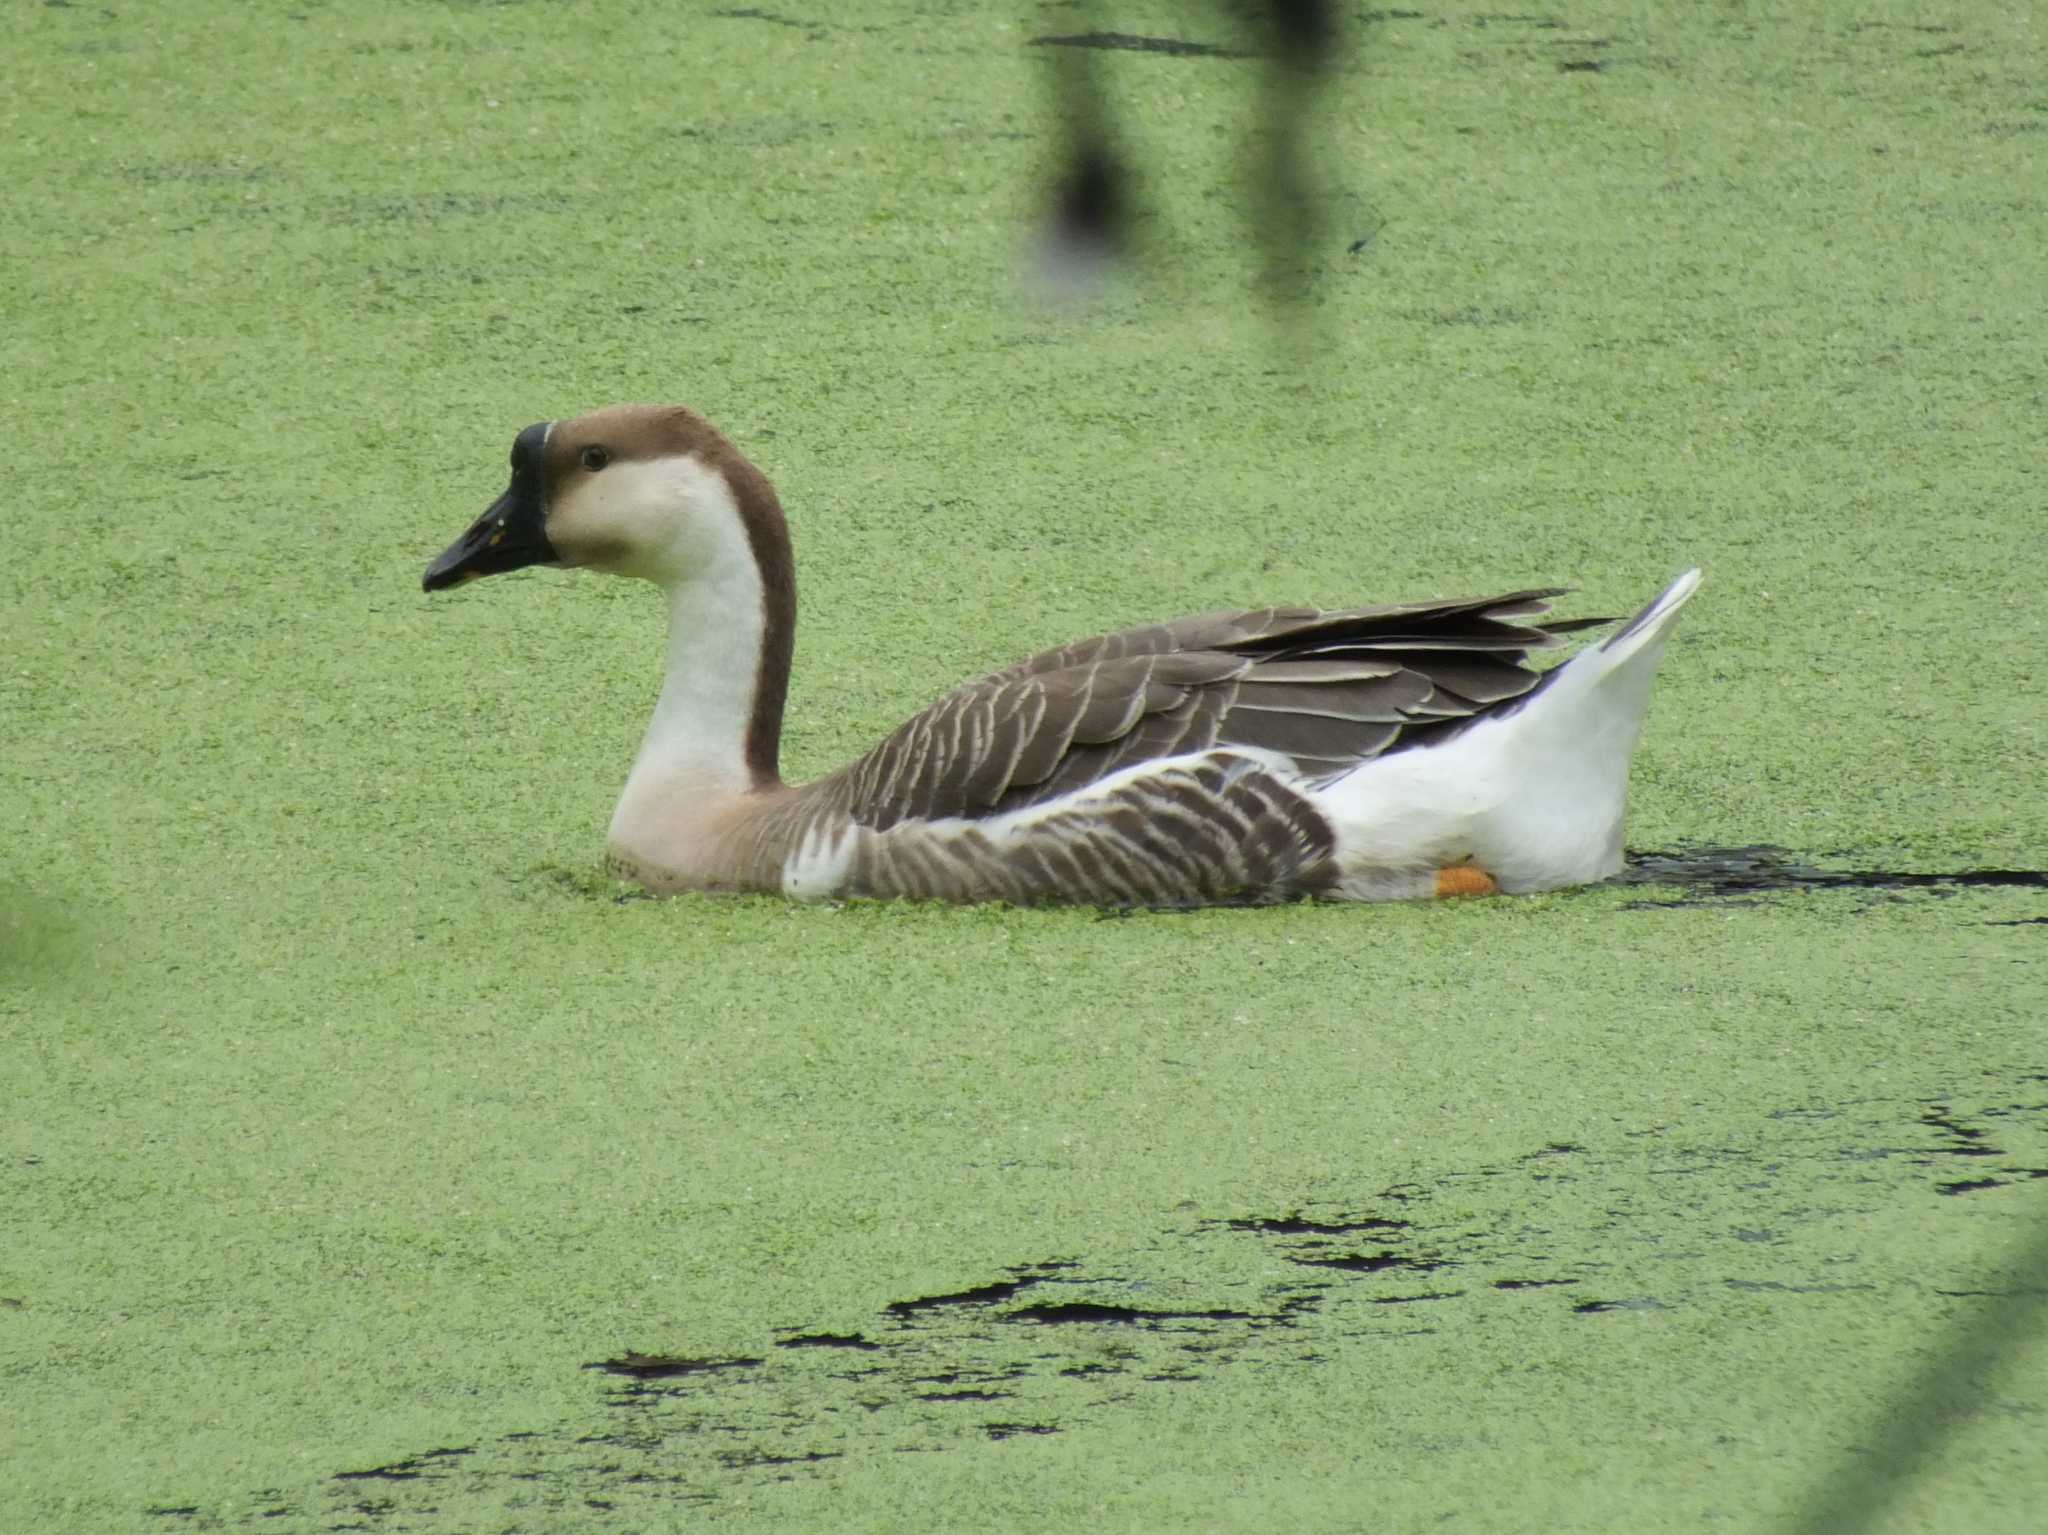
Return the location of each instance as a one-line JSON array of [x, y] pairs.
[[1260, 755]]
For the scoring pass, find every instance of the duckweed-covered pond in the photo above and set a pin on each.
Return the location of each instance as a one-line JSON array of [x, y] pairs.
[[370, 1161]]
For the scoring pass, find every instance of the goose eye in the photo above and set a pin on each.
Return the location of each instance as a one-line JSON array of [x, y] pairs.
[[595, 458]]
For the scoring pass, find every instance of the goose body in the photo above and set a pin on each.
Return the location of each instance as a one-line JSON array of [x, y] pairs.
[[1376, 753]]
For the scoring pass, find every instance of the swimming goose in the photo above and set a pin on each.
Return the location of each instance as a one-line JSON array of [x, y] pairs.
[[1371, 753]]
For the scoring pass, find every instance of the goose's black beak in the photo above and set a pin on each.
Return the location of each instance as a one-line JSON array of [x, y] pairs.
[[512, 533]]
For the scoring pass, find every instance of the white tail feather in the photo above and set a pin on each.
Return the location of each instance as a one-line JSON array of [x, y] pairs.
[[1534, 794]]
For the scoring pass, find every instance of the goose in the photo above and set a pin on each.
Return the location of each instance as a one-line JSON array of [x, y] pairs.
[[1372, 753]]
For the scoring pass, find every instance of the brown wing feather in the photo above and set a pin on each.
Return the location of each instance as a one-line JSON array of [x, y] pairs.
[[1328, 689]]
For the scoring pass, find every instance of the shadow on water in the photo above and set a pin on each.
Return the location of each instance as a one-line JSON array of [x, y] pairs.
[[1728, 876], [1931, 1407], [1721, 875], [39, 938], [1058, 1345]]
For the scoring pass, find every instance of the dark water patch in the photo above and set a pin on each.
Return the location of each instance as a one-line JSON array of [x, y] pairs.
[[827, 1340], [1370, 1263], [956, 1377], [980, 1295], [680, 319], [1130, 42], [408, 1470], [1293, 1224], [747, 1460], [1632, 1303], [1966, 1140], [1068, 1345], [749, 13], [1060, 1313], [1725, 875], [2025, 1292], [1795, 1289], [668, 1366]]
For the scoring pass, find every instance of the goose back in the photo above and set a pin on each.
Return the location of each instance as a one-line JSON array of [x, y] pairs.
[[1325, 690]]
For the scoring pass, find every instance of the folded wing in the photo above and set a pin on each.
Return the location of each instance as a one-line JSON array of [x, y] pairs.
[[1325, 689]]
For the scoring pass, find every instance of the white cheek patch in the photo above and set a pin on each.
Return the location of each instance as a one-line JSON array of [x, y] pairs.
[[666, 520]]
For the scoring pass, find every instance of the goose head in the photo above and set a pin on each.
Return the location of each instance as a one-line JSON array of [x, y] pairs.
[[658, 492], [653, 491]]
